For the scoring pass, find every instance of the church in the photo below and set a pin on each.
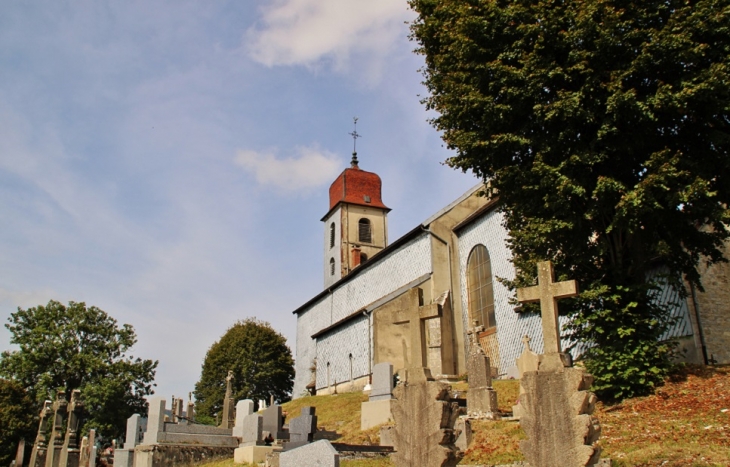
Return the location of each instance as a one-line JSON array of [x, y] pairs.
[[411, 302]]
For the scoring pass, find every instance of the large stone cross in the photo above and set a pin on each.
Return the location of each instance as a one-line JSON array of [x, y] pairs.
[[415, 317], [548, 292]]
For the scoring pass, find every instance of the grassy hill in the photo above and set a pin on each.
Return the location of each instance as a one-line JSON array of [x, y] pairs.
[[686, 423]]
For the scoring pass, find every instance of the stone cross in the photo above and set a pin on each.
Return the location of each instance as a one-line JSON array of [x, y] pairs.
[[40, 440], [415, 317], [548, 292], [227, 417]]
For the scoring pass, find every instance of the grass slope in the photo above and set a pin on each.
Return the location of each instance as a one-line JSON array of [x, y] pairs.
[[686, 423]]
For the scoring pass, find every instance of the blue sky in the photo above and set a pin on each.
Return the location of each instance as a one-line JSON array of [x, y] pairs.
[[168, 161]]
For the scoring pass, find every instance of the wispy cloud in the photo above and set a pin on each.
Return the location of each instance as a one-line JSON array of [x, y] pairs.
[[307, 32], [310, 168]]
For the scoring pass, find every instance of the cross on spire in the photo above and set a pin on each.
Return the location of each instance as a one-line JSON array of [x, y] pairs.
[[548, 292], [355, 135]]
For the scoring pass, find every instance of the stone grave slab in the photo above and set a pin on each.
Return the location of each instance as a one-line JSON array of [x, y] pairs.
[[317, 454], [244, 408]]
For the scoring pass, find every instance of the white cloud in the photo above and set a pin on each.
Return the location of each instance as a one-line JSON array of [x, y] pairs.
[[310, 169], [304, 32]]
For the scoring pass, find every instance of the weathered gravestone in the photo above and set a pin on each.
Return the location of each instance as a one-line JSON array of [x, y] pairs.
[[424, 425], [251, 450], [70, 450], [481, 398], [302, 428], [38, 453], [557, 405], [317, 454], [55, 443], [124, 457], [244, 408], [274, 422], [378, 409], [462, 429]]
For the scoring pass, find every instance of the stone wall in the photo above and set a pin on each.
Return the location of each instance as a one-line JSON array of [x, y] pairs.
[[714, 309], [178, 456], [399, 268]]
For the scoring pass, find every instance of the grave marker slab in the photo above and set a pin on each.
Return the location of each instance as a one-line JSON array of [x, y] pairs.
[[481, 398], [244, 408], [319, 454]]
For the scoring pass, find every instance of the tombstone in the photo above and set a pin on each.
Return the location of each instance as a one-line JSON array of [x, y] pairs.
[[274, 422], [92, 456], [20, 454], [262, 404], [155, 419], [38, 453], [125, 457], [244, 408], [481, 398], [320, 453], [528, 361], [55, 443], [178, 409], [227, 416], [70, 451], [252, 449], [556, 403], [84, 452], [190, 413], [302, 428], [424, 426], [378, 409]]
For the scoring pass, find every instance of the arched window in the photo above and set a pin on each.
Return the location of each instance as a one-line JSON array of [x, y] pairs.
[[332, 266], [364, 232], [332, 235], [363, 258], [479, 285]]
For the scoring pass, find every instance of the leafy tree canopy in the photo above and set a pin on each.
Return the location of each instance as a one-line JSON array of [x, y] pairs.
[[16, 419], [604, 127], [79, 347], [261, 363]]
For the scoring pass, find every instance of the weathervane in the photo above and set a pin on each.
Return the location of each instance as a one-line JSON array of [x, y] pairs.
[[355, 136]]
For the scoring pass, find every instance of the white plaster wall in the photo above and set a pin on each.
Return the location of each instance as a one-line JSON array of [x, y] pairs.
[[511, 326], [336, 347], [334, 252], [400, 267]]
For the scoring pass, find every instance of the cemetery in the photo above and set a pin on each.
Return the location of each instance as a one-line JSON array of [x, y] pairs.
[[548, 417]]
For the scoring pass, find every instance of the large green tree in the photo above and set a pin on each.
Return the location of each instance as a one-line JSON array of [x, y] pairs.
[[79, 347], [16, 419], [261, 363], [604, 126]]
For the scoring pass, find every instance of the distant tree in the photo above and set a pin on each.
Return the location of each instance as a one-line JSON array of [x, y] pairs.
[[261, 362], [79, 347], [17, 420], [604, 127]]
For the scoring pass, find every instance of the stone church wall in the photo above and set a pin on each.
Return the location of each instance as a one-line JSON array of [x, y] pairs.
[[380, 277]]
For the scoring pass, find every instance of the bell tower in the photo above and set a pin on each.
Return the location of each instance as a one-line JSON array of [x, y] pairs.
[[356, 225]]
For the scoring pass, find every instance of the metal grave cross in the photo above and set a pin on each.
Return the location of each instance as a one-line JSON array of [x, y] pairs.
[[548, 292]]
